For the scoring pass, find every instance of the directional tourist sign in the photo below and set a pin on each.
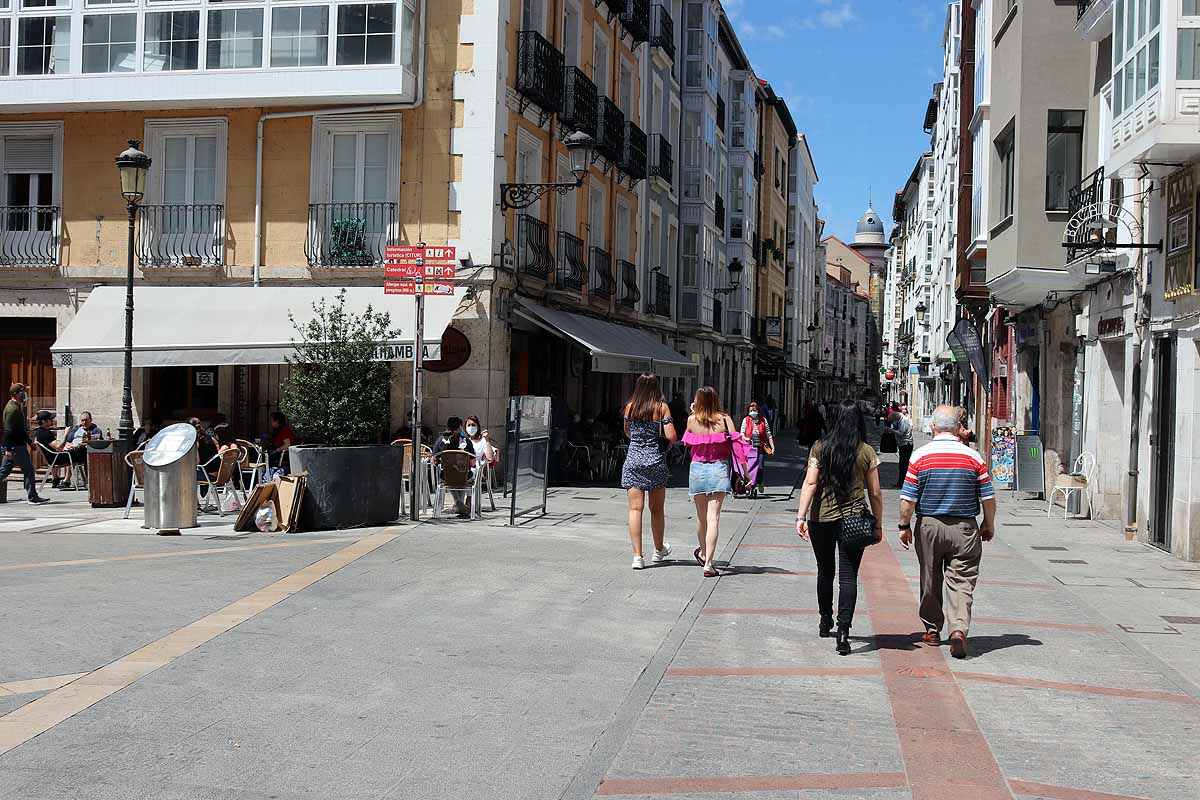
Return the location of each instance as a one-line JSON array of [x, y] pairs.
[[413, 255], [414, 272], [413, 288]]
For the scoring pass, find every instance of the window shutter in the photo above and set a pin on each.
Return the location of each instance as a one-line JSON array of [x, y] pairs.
[[29, 154]]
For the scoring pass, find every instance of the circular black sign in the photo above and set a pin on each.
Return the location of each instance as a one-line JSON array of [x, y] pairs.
[[456, 350]]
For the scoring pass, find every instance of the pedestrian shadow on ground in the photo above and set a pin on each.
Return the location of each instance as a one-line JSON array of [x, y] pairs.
[[977, 645], [746, 569]]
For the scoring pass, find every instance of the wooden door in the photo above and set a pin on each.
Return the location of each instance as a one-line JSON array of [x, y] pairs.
[[27, 361]]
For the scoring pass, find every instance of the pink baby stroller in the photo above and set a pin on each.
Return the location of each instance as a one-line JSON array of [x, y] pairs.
[[747, 488]]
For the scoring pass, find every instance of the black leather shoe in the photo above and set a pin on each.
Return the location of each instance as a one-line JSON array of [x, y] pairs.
[[843, 640], [39, 499], [826, 629]]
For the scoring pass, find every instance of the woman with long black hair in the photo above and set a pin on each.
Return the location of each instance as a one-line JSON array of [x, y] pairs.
[[843, 477], [644, 475]]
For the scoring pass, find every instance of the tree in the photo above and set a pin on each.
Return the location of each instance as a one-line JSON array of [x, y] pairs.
[[338, 392]]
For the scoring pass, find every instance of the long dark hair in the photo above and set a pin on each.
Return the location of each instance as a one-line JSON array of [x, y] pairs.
[[839, 449], [646, 398]]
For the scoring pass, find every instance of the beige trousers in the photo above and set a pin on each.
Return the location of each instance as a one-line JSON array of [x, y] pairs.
[[949, 550]]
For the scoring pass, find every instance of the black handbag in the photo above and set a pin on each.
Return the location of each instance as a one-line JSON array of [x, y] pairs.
[[856, 531], [887, 441]]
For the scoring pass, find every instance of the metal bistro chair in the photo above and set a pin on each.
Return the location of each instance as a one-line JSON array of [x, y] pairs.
[[134, 460], [226, 464], [454, 474], [252, 463], [579, 453], [488, 481], [425, 475], [1078, 480], [54, 459]]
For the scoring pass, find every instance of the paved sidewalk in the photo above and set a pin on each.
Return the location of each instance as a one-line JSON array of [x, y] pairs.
[[471, 660]]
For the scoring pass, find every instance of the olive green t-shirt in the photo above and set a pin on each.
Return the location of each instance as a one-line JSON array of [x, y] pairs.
[[856, 500]]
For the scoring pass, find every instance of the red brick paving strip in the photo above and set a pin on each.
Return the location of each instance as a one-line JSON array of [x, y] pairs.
[[635, 787], [945, 754], [1033, 683], [1064, 793]]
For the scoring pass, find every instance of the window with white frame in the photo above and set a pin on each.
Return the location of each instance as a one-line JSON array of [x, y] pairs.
[[299, 36], [184, 213], [655, 243], [1135, 51], [5, 45], [564, 212], [1006, 154], [625, 90], [694, 47], [356, 160], [44, 45], [172, 41], [235, 38], [624, 229], [572, 34], [597, 216], [110, 43], [366, 34], [529, 166], [1064, 157], [533, 16], [31, 158], [600, 51]]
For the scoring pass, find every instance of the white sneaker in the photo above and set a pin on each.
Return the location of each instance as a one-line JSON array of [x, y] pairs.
[[639, 562], [661, 555]]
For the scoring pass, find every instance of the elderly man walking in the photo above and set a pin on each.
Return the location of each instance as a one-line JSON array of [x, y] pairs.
[[946, 485]]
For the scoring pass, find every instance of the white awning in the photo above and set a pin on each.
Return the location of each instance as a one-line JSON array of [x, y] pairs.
[[1024, 287], [614, 348], [199, 326]]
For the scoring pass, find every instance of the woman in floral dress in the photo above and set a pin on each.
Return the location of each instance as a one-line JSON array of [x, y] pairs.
[[647, 421]]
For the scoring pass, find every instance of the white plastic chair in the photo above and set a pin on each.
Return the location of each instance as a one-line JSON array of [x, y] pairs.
[[1078, 480], [53, 458]]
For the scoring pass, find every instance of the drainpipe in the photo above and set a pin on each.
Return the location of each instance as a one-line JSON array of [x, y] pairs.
[[258, 154], [1135, 411]]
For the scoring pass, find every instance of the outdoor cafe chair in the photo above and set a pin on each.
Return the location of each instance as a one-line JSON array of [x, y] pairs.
[[1079, 480], [225, 464], [54, 459], [252, 462], [490, 468], [138, 470], [454, 474], [424, 475]]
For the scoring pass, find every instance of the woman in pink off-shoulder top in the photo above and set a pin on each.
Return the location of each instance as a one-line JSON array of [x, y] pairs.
[[713, 437]]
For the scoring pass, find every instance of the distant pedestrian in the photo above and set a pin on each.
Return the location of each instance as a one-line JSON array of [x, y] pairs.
[[842, 482], [648, 423], [717, 447], [812, 425], [901, 426], [17, 441], [756, 428], [946, 485]]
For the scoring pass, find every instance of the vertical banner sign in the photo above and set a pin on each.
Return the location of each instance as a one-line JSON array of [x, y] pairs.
[[1179, 278], [964, 343], [1004, 455]]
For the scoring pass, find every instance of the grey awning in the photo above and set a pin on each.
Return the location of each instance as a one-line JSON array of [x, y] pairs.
[[192, 326], [614, 348]]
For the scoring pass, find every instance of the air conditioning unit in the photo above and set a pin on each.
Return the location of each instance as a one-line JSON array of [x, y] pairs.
[[1002, 371]]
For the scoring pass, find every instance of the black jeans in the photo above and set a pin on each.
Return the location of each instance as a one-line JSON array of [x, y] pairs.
[[823, 536], [20, 457], [905, 452]]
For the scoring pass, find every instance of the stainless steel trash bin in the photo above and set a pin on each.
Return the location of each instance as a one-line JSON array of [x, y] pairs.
[[170, 477]]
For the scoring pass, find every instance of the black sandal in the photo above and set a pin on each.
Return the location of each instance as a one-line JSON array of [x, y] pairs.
[[712, 573], [699, 558]]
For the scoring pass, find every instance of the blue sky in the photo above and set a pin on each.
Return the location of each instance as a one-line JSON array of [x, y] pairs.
[[857, 76]]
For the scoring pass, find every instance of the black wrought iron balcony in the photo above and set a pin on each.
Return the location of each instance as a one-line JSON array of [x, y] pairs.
[[533, 247], [662, 30], [182, 235], [721, 213], [602, 284], [662, 163], [1082, 6], [611, 141], [616, 6], [636, 20], [30, 236], [572, 262], [718, 317], [1089, 192], [580, 104], [539, 71], [660, 303], [629, 295], [633, 155], [349, 234]]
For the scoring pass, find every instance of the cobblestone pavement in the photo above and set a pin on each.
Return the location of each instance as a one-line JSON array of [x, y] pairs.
[[472, 660]]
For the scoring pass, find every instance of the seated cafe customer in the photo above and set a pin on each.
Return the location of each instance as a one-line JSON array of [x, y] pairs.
[[282, 437], [43, 434], [453, 438]]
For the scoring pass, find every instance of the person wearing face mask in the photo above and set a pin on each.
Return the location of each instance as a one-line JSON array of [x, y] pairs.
[[757, 429], [480, 444], [17, 441]]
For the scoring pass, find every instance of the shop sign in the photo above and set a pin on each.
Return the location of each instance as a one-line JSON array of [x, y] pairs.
[[427, 288], [206, 378], [775, 327], [1111, 327], [1180, 277], [456, 351], [621, 364], [404, 352]]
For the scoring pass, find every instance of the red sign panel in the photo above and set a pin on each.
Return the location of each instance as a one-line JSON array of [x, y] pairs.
[[412, 288], [412, 271], [410, 254]]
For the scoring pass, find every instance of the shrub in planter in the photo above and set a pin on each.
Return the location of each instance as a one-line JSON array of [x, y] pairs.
[[337, 400]]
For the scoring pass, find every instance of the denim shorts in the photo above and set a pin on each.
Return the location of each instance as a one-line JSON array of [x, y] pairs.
[[708, 478]]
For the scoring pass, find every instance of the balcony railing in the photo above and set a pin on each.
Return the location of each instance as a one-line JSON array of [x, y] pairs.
[[633, 154], [1081, 6], [602, 285], [572, 262], [630, 295], [660, 303], [30, 236], [533, 247], [662, 164], [182, 236], [349, 234], [539, 71], [662, 30], [616, 6], [1089, 191], [611, 141], [636, 20], [579, 111]]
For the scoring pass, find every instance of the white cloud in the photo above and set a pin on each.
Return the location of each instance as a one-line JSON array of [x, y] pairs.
[[835, 13]]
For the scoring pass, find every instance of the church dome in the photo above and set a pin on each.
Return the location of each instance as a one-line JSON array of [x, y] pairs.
[[870, 228]]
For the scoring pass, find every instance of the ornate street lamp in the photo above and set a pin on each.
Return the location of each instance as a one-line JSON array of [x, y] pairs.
[[920, 311], [133, 165], [735, 268], [581, 151]]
